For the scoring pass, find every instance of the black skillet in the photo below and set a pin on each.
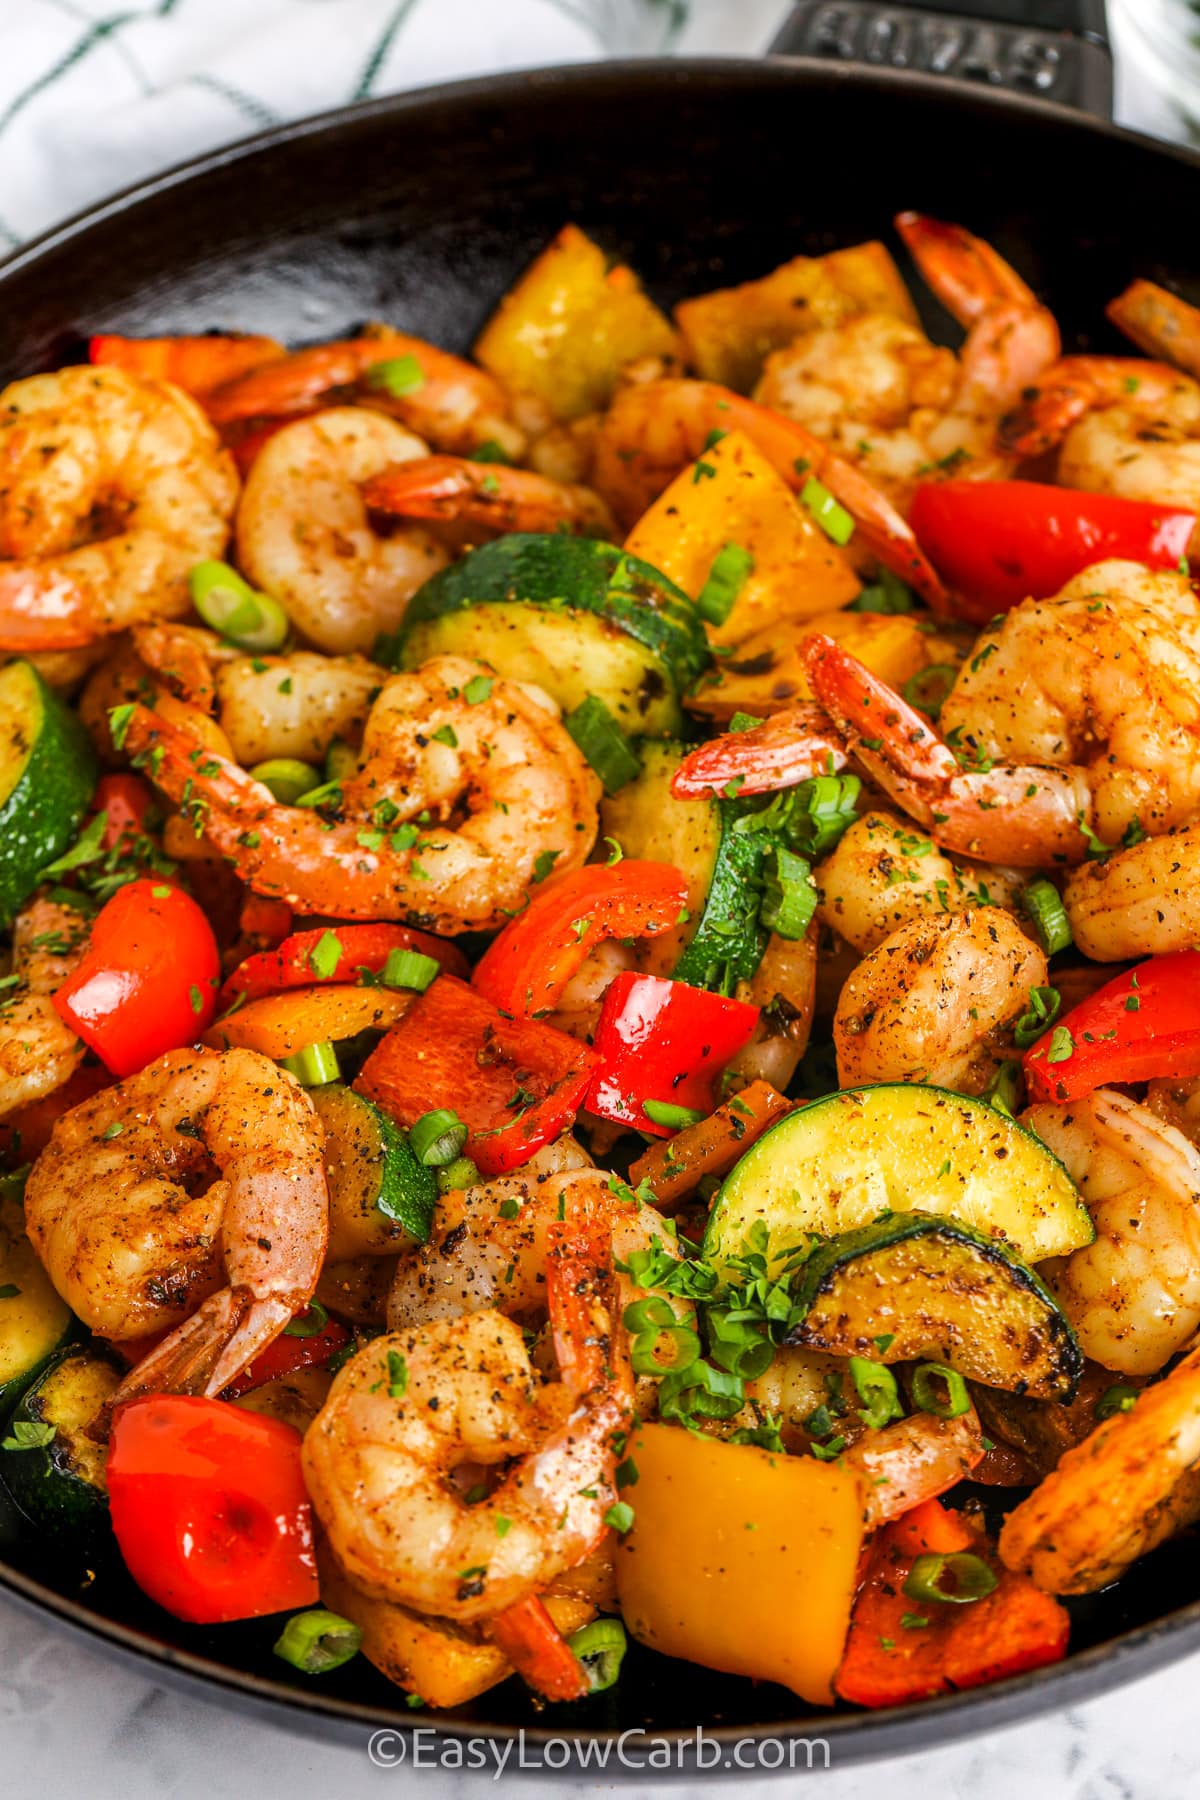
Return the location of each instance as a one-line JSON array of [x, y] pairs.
[[421, 210]]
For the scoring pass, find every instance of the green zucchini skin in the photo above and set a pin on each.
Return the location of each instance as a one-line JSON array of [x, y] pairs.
[[728, 942], [34, 1321], [48, 773], [381, 1199], [942, 1292], [60, 1485], [898, 1147]]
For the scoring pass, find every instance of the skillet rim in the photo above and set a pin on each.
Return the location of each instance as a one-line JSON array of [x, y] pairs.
[[851, 1736]]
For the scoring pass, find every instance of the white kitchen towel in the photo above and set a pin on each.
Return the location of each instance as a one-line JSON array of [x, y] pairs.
[[95, 94]]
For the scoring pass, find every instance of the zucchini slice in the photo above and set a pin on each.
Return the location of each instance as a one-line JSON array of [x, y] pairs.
[[899, 1147], [381, 1199], [60, 1484], [721, 942], [939, 1292], [48, 772], [575, 615], [34, 1321]]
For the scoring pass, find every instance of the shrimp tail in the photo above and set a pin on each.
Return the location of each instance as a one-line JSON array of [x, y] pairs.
[[968, 276], [1159, 323], [454, 487], [42, 609], [790, 747]]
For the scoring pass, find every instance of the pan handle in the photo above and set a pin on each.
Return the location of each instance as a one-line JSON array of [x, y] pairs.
[[1057, 49]]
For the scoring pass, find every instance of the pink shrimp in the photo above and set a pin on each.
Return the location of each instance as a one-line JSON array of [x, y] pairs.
[[789, 747], [452, 487]]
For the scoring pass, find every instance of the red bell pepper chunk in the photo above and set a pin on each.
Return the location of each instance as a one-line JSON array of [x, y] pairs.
[[515, 1083], [663, 1040], [1143, 1023], [148, 979], [126, 801], [298, 961], [538, 1651], [285, 1354], [209, 1508], [892, 1658], [197, 364], [996, 543], [261, 916], [526, 968]]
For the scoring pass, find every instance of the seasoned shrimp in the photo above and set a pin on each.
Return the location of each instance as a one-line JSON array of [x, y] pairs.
[[452, 487], [452, 403], [884, 872], [935, 1001], [1142, 900], [455, 811], [653, 429], [1159, 323], [38, 1051], [111, 488], [903, 409], [416, 1405], [303, 533], [1120, 426], [1130, 1485], [267, 706], [1177, 1102], [1133, 1295], [190, 1197]]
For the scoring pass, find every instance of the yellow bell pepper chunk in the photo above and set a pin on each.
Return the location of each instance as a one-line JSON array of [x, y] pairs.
[[767, 671], [741, 1560], [570, 325], [729, 333], [279, 1025], [732, 495]]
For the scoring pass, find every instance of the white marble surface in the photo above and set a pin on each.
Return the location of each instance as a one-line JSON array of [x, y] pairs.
[[70, 1719]]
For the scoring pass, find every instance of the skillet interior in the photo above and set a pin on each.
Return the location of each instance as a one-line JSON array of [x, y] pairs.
[[420, 210]]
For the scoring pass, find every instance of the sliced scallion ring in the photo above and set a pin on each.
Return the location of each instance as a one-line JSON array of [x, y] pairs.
[[829, 513], [231, 606], [437, 1138], [665, 1350], [878, 1392], [600, 1647], [1119, 1398], [310, 1323], [955, 1579], [314, 1066], [926, 1396], [287, 777], [665, 1112], [1042, 903], [409, 969], [317, 1641]]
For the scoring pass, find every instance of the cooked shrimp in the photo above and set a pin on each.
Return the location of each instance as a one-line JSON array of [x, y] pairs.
[[451, 487], [414, 1406], [497, 790], [191, 1196], [885, 872], [935, 1002], [1159, 323], [303, 533], [1144, 900], [1130, 1485], [784, 988], [110, 489], [912, 1460], [1176, 1100], [1120, 426], [452, 403], [267, 706], [38, 1050], [901, 408], [1133, 1295], [654, 429]]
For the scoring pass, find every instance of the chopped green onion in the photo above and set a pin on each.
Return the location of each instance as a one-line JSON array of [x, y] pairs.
[[437, 1138], [287, 777], [461, 1173], [397, 376], [410, 969], [663, 1349], [929, 688], [620, 1516], [1042, 902], [325, 955], [737, 1345], [829, 514], [317, 1641], [341, 761], [1006, 1090], [651, 1313], [888, 595], [600, 1647], [1119, 1398], [700, 1391], [490, 452], [928, 1399], [231, 606], [665, 1112], [878, 1392], [314, 1066], [955, 1579], [789, 898], [310, 1323], [603, 744], [328, 794], [1044, 1006], [731, 568]]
